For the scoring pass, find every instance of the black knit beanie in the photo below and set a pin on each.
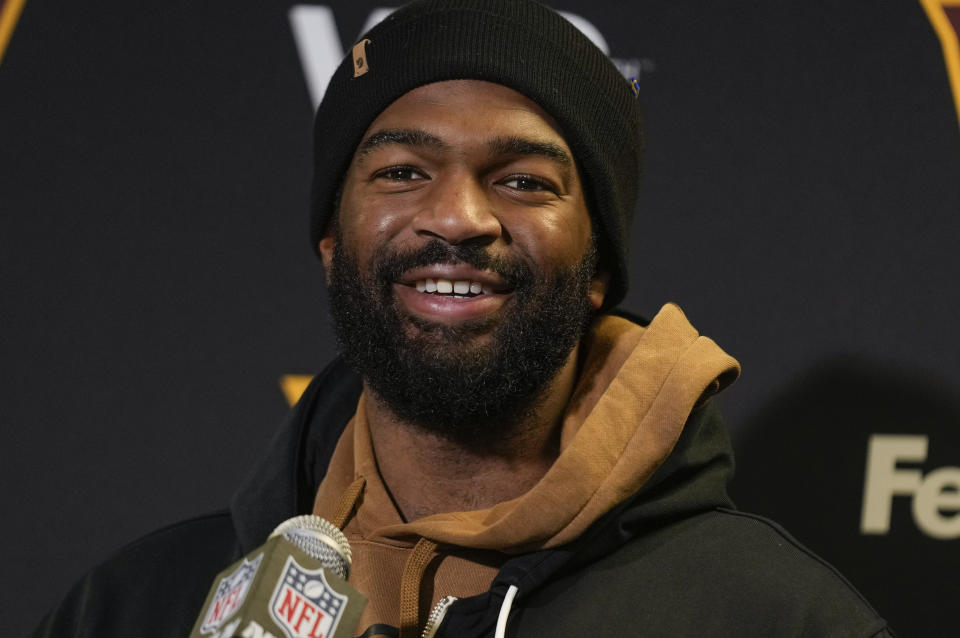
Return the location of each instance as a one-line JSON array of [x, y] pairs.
[[519, 44]]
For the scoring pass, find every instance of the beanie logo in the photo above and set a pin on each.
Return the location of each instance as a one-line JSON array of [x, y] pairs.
[[360, 65]]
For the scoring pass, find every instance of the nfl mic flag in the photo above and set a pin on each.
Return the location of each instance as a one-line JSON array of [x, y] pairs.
[[278, 591]]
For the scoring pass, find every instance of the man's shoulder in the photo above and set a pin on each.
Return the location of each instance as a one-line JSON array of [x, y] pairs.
[[154, 586], [762, 559], [718, 573]]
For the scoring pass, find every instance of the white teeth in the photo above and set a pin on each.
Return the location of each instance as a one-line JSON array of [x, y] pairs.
[[446, 286]]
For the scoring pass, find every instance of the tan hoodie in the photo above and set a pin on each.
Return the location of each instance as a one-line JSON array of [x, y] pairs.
[[636, 389]]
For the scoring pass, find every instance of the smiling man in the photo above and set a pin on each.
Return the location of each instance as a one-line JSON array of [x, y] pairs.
[[462, 266], [505, 455]]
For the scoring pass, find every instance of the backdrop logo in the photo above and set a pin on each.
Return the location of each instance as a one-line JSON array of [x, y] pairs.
[[945, 17], [320, 50], [935, 495], [9, 12], [294, 385]]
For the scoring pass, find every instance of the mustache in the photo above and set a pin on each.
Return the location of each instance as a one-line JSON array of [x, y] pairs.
[[390, 266]]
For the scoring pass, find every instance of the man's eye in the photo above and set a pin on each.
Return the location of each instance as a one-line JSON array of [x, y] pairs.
[[400, 173], [526, 183]]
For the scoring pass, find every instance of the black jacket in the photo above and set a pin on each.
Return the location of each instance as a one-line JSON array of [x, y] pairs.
[[674, 560]]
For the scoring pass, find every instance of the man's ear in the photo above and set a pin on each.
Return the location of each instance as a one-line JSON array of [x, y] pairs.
[[598, 288], [325, 246]]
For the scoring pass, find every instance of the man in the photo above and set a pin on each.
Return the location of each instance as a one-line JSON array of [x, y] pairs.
[[502, 454]]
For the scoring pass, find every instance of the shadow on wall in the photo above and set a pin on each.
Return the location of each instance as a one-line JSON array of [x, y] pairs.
[[803, 459]]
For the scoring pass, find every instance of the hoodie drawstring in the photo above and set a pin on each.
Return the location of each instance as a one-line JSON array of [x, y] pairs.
[[413, 570], [410, 582], [505, 612], [348, 502]]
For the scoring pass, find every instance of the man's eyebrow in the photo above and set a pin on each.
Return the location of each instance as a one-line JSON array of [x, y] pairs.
[[523, 146], [405, 137]]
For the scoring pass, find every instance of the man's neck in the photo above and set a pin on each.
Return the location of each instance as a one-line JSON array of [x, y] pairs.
[[430, 474]]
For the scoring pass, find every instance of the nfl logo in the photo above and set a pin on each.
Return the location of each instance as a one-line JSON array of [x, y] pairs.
[[304, 605], [230, 595]]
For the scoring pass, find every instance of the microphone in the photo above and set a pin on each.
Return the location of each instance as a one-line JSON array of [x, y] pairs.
[[292, 586]]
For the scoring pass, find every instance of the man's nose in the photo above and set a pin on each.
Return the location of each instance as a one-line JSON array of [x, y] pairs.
[[459, 210]]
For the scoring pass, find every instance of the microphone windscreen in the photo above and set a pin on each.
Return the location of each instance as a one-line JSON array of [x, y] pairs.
[[319, 538]]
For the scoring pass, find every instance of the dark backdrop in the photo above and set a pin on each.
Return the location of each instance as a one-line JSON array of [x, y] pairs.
[[801, 204]]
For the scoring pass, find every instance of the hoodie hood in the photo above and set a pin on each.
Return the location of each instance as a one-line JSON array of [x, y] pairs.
[[688, 368], [636, 389]]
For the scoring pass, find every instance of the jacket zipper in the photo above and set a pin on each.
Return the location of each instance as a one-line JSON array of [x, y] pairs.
[[436, 616]]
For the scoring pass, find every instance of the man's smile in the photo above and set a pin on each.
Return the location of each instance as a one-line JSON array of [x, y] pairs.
[[451, 293], [459, 288]]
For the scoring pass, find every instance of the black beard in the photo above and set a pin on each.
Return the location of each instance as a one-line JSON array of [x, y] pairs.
[[436, 377]]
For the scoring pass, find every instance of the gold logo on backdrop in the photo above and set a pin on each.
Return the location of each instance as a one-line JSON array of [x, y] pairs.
[[945, 17], [9, 12], [293, 386], [360, 65]]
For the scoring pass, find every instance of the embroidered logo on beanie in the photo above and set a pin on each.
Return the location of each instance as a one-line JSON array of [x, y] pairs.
[[360, 65]]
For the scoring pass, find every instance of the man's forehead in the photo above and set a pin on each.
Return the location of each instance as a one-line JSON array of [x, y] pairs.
[[503, 120], [498, 145]]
